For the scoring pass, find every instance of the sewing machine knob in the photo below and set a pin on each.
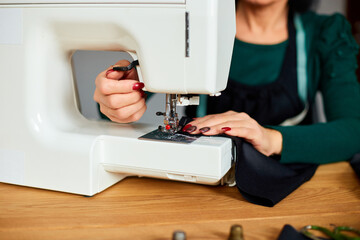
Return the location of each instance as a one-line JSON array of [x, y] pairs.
[[160, 114]]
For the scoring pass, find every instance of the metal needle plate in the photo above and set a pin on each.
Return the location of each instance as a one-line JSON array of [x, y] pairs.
[[157, 135]]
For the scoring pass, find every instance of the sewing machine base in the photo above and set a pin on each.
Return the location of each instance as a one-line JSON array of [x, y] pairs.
[[88, 164], [205, 160]]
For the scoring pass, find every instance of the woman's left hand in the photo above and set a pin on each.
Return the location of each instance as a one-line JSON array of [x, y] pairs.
[[265, 140]]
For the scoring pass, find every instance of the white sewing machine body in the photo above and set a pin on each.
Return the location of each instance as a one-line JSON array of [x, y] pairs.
[[46, 142]]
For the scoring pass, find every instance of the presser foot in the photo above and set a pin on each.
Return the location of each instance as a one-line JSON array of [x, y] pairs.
[[171, 124], [168, 128], [171, 120]]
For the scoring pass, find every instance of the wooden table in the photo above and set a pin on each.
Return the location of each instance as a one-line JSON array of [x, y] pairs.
[[141, 208]]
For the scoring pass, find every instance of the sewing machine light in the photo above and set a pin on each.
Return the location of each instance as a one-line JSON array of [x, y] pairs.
[[187, 100]]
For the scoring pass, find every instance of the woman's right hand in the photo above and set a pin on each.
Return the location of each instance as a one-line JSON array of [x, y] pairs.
[[120, 94]]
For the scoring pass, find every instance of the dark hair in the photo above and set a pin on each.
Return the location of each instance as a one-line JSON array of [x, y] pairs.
[[299, 6]]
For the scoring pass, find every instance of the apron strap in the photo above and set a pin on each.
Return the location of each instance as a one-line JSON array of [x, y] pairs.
[[301, 58]]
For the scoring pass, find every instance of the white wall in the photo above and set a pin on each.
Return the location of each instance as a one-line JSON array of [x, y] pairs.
[[331, 6]]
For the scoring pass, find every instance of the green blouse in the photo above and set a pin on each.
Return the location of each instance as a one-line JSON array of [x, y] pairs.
[[330, 68], [263, 62]]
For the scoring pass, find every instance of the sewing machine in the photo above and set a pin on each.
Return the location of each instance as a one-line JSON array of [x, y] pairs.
[[183, 47]]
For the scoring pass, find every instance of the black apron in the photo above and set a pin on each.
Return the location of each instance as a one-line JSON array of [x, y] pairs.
[[260, 179]]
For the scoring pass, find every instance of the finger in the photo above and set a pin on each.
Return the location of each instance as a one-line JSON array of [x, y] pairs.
[[200, 119], [199, 123], [116, 101], [207, 117], [123, 115], [215, 119], [112, 74], [133, 118], [249, 134], [107, 86], [222, 127], [136, 116]]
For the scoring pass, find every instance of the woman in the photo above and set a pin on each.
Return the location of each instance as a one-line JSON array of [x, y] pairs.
[[282, 56]]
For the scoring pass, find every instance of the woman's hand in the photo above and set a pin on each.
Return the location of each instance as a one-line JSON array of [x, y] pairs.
[[265, 140], [120, 94]]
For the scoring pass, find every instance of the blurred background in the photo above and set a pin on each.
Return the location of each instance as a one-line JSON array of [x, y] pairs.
[[88, 64]]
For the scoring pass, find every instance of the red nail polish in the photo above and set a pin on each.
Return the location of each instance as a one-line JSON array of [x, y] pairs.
[[186, 127], [142, 93], [138, 86], [225, 129], [204, 129], [109, 71], [191, 129]]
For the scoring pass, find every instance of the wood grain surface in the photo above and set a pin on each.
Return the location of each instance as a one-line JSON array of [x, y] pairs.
[[142, 208]]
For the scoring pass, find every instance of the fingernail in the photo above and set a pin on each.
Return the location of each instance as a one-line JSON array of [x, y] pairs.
[[225, 129], [138, 86], [191, 129], [204, 129], [186, 127], [109, 71], [142, 93]]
